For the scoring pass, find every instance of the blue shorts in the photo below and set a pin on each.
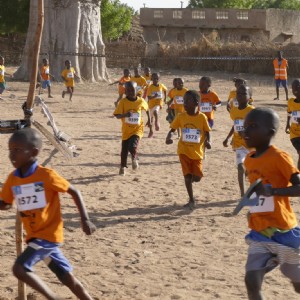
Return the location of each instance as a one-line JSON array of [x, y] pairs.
[[50, 253], [2, 87], [46, 84], [210, 123], [281, 82]]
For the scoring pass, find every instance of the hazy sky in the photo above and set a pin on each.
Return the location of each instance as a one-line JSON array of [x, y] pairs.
[[137, 4]]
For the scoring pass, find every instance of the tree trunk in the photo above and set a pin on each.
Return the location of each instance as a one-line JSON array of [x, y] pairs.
[[70, 26]]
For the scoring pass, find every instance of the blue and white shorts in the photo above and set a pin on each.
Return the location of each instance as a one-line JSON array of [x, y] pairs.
[[46, 84]]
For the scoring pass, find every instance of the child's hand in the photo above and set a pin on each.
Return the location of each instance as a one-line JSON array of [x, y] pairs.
[[88, 227], [149, 124], [127, 115], [214, 107], [287, 129], [208, 145], [225, 143]]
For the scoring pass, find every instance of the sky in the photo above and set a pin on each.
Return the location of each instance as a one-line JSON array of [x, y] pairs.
[[137, 4]]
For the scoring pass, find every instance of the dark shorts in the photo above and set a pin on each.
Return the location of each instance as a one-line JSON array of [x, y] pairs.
[[210, 123], [2, 87], [281, 82], [296, 143]]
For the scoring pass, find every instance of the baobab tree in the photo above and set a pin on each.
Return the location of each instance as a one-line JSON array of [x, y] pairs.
[[71, 26]]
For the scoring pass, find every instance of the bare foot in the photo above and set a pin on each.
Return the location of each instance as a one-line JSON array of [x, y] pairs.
[[150, 135], [157, 126]]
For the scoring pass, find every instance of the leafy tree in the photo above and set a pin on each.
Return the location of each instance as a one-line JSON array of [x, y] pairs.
[[115, 18]]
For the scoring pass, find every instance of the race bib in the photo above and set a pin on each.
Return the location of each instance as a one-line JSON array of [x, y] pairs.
[[2, 72], [295, 116], [157, 95], [148, 81], [179, 99], [134, 119], [29, 196], [265, 204], [235, 103], [205, 107], [138, 88], [238, 125], [70, 75], [46, 71], [191, 135]]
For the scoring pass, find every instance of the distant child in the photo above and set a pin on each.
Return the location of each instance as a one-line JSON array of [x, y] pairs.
[[140, 81], [68, 75], [274, 239], [170, 102], [293, 118], [45, 76], [194, 138], [147, 75], [2, 76], [238, 114], [121, 84], [35, 190], [129, 110], [157, 94], [210, 101]]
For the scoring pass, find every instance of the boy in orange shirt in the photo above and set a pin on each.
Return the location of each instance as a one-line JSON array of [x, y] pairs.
[[274, 239], [210, 101], [194, 138], [35, 190], [129, 110], [238, 114], [68, 75], [293, 118], [45, 76]]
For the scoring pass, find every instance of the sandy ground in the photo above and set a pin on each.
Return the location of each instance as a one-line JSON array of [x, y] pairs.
[[146, 245]]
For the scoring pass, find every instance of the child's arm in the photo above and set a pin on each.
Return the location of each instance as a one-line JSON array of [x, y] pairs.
[[288, 121], [149, 124], [225, 142], [165, 97], [4, 206], [120, 116], [76, 76], [207, 140], [87, 226], [217, 104], [115, 82], [169, 137]]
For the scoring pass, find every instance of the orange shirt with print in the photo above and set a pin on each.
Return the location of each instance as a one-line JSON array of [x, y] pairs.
[[45, 72], [274, 167], [42, 223], [210, 98]]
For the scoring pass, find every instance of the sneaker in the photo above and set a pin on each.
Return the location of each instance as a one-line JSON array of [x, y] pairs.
[[135, 164], [122, 171]]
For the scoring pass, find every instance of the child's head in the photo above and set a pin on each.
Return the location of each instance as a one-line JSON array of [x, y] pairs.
[[1, 60], [155, 78], [260, 126], [175, 82], [296, 88], [130, 89], [204, 84], [24, 145], [280, 55], [191, 101], [147, 71], [136, 71], [68, 64], [126, 72], [45, 61], [238, 81], [179, 83], [243, 94]]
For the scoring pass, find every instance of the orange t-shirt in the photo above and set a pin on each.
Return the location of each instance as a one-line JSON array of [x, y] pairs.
[[208, 100], [274, 167], [41, 188], [45, 72]]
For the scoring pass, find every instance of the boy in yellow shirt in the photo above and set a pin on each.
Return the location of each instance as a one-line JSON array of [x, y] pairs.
[[140, 81], [238, 115], [170, 110], [129, 110], [68, 75], [157, 93], [2, 78], [194, 138]]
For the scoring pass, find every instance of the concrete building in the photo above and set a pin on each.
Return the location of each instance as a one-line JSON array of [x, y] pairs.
[[187, 25]]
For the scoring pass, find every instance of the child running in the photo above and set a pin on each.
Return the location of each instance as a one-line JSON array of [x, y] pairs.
[[194, 137], [210, 101], [170, 110], [121, 82], [148, 76], [35, 190], [293, 118], [140, 81], [2, 77], [45, 76], [157, 94], [68, 75], [129, 110], [274, 239], [238, 114]]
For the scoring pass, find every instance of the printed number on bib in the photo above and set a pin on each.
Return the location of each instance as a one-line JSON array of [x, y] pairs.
[[191, 135], [235, 103], [157, 95], [238, 125], [70, 75], [179, 99], [296, 116], [30, 196], [265, 204], [205, 107], [134, 119]]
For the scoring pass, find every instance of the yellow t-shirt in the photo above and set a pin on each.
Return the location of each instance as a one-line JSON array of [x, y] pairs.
[[68, 74], [293, 108], [238, 116], [42, 187], [192, 138], [158, 92], [45, 72], [133, 125], [148, 79], [178, 100], [2, 73], [141, 83], [232, 95]]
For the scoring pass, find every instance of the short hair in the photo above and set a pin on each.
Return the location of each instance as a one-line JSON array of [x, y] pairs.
[[267, 116], [130, 84], [156, 73], [296, 81], [194, 95], [28, 136], [246, 87], [67, 61], [206, 79], [239, 79]]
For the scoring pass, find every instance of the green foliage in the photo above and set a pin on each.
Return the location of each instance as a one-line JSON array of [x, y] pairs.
[[115, 19], [247, 4], [14, 16]]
